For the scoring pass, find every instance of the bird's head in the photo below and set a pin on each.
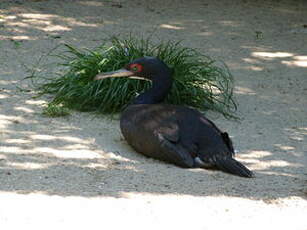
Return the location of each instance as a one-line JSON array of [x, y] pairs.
[[145, 68]]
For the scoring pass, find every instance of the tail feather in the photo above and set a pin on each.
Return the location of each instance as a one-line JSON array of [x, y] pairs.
[[230, 165]]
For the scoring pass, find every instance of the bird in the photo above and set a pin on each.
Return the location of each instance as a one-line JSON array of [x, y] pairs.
[[176, 134]]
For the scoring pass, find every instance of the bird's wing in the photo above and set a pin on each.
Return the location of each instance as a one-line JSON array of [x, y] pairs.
[[225, 137], [168, 135], [228, 142], [170, 131]]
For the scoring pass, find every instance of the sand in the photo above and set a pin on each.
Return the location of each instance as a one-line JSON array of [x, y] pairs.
[[77, 172]]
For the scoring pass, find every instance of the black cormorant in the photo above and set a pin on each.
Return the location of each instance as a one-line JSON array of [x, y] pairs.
[[176, 134]]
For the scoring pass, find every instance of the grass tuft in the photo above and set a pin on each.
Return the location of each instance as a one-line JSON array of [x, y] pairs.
[[198, 80]]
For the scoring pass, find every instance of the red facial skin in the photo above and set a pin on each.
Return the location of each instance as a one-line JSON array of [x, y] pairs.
[[136, 67]]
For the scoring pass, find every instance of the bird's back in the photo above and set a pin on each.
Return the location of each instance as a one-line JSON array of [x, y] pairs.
[[184, 127]]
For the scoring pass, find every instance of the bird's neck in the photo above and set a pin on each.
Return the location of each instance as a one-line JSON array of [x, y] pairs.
[[157, 93]]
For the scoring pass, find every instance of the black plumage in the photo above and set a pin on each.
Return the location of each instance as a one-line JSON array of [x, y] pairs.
[[175, 134]]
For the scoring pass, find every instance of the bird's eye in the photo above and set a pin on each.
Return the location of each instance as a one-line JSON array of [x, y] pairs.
[[136, 67]]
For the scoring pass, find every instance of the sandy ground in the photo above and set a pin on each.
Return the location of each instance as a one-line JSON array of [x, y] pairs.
[[77, 172]]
